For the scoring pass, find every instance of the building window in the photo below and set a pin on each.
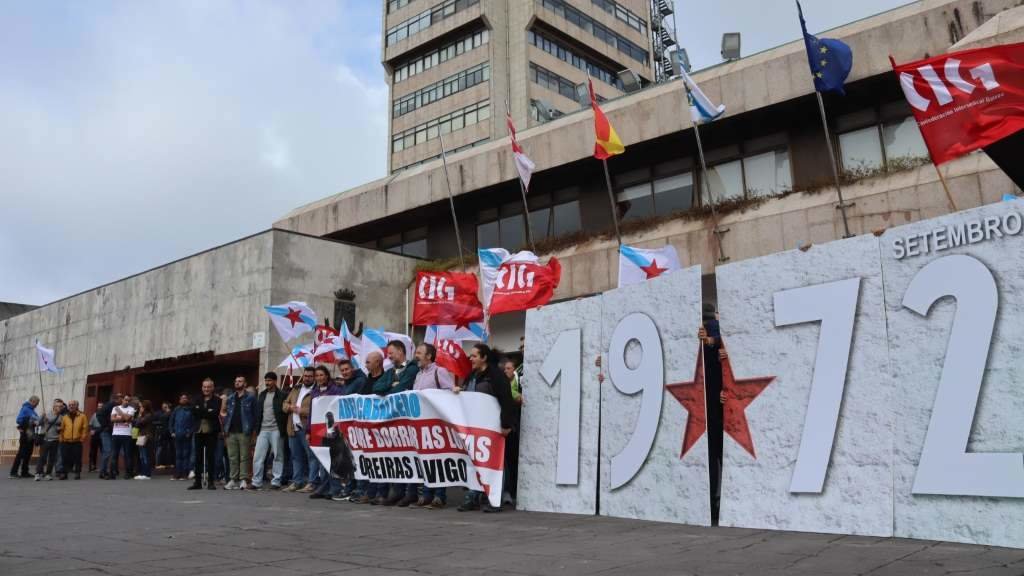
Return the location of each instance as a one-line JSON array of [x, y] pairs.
[[902, 142], [566, 54], [547, 79], [396, 4], [861, 150], [426, 19], [757, 168], [883, 139], [643, 196], [601, 32], [450, 122], [445, 53], [441, 89], [411, 243], [550, 216], [767, 174], [622, 13]]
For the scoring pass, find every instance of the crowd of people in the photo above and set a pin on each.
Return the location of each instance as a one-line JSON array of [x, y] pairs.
[[245, 438]]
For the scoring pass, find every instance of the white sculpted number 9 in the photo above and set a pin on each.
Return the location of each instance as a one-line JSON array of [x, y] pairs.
[[647, 379], [946, 467]]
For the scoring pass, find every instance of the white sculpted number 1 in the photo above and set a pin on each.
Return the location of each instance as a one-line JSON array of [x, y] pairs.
[[946, 467], [563, 364], [835, 305]]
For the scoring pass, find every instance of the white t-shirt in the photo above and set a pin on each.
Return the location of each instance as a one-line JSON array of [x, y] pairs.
[[123, 428], [303, 392]]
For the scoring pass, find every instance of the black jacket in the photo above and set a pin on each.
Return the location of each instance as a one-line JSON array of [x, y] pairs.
[[279, 415], [103, 415], [206, 410], [493, 382]]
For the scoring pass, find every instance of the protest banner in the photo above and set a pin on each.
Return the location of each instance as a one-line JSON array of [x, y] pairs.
[[431, 437]]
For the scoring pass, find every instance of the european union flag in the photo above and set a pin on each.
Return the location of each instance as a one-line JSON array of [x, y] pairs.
[[830, 59]]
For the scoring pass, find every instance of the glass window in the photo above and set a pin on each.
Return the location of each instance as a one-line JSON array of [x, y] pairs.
[[540, 222], [487, 235], [767, 174], [417, 248], [903, 141], [566, 218], [673, 194], [513, 235], [636, 202], [860, 150], [726, 181]]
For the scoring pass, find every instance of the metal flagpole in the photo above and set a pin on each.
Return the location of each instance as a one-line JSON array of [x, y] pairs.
[[707, 185], [451, 200], [835, 169], [949, 196], [611, 198], [522, 189]]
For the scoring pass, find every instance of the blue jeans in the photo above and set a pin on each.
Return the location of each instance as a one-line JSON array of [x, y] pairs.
[[122, 445], [144, 461], [219, 459], [106, 447], [268, 441], [182, 456], [440, 493], [300, 458]]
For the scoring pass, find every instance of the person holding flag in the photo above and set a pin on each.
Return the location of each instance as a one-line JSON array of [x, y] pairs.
[[26, 422]]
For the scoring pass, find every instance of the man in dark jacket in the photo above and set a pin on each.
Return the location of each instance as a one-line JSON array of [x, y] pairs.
[[106, 431], [402, 374], [350, 380], [239, 415], [206, 428], [710, 335], [270, 424], [180, 425], [26, 422]]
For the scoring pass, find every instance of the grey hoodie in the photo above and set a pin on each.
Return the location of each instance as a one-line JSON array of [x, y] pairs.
[[52, 433]]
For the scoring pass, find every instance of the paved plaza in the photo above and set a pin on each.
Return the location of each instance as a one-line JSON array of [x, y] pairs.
[[156, 528]]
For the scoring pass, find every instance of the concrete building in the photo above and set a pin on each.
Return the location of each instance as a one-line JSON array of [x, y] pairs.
[[451, 65], [768, 168]]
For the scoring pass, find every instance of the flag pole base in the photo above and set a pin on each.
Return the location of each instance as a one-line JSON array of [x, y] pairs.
[[718, 232]]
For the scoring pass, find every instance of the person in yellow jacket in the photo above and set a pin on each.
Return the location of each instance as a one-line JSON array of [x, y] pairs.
[[74, 429]]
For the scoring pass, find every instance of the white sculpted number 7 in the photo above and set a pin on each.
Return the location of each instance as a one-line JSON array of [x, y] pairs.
[[835, 305]]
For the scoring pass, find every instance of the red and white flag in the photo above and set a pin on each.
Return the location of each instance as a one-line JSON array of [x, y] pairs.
[[446, 298], [452, 357], [524, 165], [326, 341], [516, 281], [966, 100]]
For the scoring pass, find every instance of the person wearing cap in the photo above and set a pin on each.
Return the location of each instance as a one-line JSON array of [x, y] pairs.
[[710, 336]]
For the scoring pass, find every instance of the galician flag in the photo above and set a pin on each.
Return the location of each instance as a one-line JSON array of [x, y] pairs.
[[292, 319], [45, 359], [524, 165], [377, 341], [702, 110], [639, 264], [606, 140], [300, 357], [475, 332]]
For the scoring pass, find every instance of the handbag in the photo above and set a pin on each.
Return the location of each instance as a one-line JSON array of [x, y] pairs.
[[141, 440]]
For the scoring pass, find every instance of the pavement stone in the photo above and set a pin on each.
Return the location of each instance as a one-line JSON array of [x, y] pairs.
[[156, 528]]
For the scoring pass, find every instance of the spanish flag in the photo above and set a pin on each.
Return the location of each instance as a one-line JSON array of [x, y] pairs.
[[607, 143]]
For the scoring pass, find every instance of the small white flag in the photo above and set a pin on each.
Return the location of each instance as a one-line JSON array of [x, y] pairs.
[[702, 110], [524, 165], [45, 358], [638, 264]]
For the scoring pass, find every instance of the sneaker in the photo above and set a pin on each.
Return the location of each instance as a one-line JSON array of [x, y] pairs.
[[363, 499], [488, 509], [306, 489], [39, 477], [13, 477], [275, 486], [244, 485], [231, 486], [290, 488], [143, 477], [192, 475], [340, 498], [253, 488], [47, 477], [468, 506], [139, 477], [378, 501], [407, 501], [195, 486], [435, 504]]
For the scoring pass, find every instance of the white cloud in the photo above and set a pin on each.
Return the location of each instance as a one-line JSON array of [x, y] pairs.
[[136, 135]]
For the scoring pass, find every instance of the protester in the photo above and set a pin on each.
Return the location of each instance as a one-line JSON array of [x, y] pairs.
[[350, 380], [144, 422], [238, 414], [107, 435], [180, 425], [121, 418], [205, 430], [325, 485], [487, 378], [162, 443], [402, 374], [297, 406], [95, 429], [223, 465], [49, 432], [269, 421], [26, 422], [373, 492], [511, 477], [710, 337], [74, 429], [430, 376]]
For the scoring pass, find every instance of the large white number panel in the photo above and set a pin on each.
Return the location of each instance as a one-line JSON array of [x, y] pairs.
[[650, 342], [812, 449], [955, 305], [558, 443]]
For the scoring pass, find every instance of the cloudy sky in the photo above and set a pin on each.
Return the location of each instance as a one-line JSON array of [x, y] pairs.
[[136, 133]]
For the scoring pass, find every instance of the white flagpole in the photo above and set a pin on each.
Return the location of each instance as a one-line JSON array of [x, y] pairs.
[[451, 200]]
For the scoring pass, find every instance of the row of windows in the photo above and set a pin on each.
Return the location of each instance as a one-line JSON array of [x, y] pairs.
[[441, 89], [548, 79], [426, 19], [442, 54], [448, 123], [599, 30], [409, 243], [885, 145], [622, 13], [565, 54], [550, 216], [436, 156], [396, 4]]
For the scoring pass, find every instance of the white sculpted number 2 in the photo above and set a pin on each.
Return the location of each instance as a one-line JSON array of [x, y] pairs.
[[945, 466], [835, 304], [563, 364]]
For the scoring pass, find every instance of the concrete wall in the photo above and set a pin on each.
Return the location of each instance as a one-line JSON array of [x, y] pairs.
[[210, 301]]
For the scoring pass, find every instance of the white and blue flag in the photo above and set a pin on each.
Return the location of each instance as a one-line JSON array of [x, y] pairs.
[[639, 264], [377, 341], [702, 110], [474, 332]]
